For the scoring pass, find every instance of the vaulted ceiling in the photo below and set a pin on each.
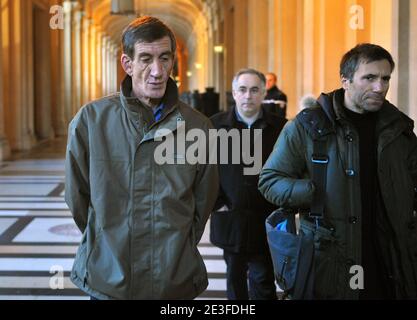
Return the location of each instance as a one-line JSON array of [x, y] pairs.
[[183, 16]]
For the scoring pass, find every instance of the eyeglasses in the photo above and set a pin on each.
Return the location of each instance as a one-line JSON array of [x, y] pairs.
[[243, 90]]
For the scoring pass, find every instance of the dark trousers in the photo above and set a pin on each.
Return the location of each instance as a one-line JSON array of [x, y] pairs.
[[257, 268]]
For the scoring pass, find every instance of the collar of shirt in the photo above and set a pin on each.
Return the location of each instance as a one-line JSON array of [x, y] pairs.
[[239, 118], [158, 112]]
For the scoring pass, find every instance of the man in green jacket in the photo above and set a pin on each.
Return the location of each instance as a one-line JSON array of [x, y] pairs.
[[141, 217], [366, 244]]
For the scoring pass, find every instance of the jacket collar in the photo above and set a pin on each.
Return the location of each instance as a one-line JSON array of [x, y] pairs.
[[231, 121], [388, 115], [390, 121], [132, 104]]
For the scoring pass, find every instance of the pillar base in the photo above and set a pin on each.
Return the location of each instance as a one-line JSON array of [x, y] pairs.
[[60, 128], [28, 142], [4, 149]]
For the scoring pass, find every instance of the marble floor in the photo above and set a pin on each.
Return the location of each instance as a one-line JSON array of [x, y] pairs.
[[38, 238]]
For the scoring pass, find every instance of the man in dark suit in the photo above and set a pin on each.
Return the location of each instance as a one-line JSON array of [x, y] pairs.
[[238, 224], [275, 100]]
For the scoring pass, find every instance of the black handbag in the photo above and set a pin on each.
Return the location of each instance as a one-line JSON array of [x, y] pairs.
[[293, 253], [292, 256]]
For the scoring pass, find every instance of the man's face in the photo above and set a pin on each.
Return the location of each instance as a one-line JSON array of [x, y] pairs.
[[150, 69], [369, 86], [248, 94], [270, 81]]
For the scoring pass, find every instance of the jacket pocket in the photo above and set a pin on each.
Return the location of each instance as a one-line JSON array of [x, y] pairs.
[[110, 191], [226, 228]]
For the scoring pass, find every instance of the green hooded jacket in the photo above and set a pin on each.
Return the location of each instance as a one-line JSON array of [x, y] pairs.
[[140, 221], [285, 181]]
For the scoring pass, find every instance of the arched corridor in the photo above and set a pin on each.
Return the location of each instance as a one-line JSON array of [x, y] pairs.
[[56, 56]]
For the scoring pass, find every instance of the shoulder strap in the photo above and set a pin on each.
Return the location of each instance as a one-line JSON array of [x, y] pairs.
[[319, 160], [318, 126]]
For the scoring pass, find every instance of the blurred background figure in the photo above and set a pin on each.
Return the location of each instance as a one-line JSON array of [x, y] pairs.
[[210, 100], [275, 100]]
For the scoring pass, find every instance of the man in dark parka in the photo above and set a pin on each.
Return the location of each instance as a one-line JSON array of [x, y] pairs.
[[366, 245]]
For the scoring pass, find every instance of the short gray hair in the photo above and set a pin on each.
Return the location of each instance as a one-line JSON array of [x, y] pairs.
[[260, 75]]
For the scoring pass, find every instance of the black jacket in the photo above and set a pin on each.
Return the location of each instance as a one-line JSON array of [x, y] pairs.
[[270, 104], [242, 227]]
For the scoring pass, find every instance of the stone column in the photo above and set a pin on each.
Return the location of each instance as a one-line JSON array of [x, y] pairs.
[[115, 70], [85, 60], [104, 65], [67, 75], [228, 32], [240, 35], [4, 144], [107, 51], [258, 35], [42, 75], [21, 83], [76, 56], [308, 47], [403, 63], [98, 74], [413, 63], [93, 63], [57, 70]]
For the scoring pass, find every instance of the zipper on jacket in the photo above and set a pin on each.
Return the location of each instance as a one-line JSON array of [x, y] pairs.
[[131, 220], [353, 190], [152, 228]]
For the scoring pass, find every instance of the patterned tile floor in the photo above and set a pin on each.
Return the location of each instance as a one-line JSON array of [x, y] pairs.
[[38, 238]]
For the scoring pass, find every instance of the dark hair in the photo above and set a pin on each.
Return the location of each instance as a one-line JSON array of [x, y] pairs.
[[145, 29], [365, 52], [260, 75]]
